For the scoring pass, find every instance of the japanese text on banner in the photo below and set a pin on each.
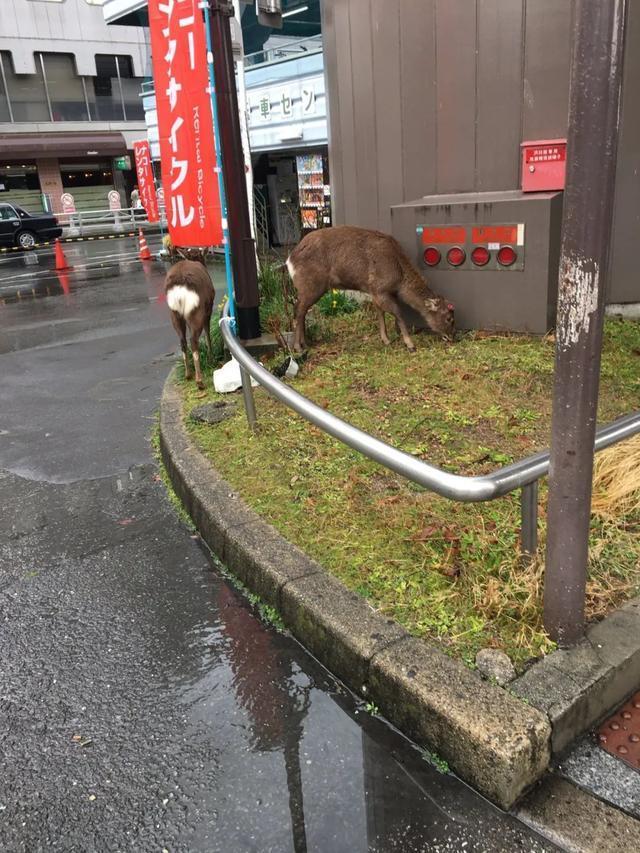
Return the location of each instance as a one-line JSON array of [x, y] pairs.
[[146, 185], [185, 124]]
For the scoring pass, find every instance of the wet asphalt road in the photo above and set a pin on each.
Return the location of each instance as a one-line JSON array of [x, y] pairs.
[[143, 705]]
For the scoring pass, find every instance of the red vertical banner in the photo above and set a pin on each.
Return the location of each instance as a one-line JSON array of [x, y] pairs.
[[146, 184], [185, 123]]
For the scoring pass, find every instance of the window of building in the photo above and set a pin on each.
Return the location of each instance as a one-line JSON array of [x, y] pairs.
[[5, 112], [26, 92], [20, 177], [66, 91], [130, 89], [87, 174], [105, 97], [57, 93], [115, 92]]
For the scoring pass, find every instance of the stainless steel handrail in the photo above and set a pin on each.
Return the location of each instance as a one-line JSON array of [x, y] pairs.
[[486, 487]]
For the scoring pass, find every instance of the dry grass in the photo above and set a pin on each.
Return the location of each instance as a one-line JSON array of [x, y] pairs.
[[616, 480]]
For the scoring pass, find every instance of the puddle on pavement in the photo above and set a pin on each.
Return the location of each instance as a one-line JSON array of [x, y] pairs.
[[52, 283]]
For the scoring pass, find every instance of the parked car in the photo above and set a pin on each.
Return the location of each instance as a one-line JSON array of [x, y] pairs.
[[19, 228]]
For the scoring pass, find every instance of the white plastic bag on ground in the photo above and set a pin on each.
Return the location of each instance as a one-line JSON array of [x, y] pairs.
[[292, 369], [227, 378]]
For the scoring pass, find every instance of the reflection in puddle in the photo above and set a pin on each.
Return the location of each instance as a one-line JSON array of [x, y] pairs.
[[303, 767], [63, 283]]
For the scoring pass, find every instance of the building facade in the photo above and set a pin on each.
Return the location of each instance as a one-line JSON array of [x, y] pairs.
[[70, 105], [434, 98], [285, 104]]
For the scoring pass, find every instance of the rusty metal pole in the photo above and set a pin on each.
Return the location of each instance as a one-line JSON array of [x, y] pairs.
[[594, 112], [243, 253]]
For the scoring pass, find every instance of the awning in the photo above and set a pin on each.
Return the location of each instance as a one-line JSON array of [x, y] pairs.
[[28, 146]]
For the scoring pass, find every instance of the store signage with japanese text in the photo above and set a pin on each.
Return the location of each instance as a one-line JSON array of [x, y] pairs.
[[146, 185], [280, 103], [187, 151]]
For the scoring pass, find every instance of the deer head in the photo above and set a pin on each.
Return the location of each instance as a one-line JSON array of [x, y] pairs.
[[440, 317]]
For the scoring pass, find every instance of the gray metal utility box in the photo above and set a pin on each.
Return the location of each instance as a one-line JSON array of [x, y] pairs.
[[493, 255]]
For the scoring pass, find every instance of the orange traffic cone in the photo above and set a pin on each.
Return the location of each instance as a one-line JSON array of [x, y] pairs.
[[145, 254], [61, 261]]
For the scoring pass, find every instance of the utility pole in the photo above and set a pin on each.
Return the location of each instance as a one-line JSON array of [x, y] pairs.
[[594, 110], [243, 253]]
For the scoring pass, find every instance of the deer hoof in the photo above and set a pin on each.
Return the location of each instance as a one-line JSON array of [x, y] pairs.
[[412, 350], [200, 385]]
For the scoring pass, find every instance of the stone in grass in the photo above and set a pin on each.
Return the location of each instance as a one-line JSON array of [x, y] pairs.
[[494, 664], [212, 413]]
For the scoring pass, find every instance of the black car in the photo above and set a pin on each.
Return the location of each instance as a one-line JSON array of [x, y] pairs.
[[19, 228]]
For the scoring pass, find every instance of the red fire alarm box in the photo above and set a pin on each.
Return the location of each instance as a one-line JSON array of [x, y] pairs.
[[543, 165]]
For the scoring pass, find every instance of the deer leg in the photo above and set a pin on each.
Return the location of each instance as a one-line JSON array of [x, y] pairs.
[[207, 332], [303, 305], [382, 326], [387, 303], [180, 325], [195, 352]]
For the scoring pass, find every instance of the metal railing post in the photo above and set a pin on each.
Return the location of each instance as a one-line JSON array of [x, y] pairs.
[[249, 402], [529, 519]]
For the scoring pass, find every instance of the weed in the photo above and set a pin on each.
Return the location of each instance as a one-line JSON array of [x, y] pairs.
[[434, 759], [337, 302], [372, 708]]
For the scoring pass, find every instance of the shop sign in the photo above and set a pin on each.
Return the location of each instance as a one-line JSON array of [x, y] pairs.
[[122, 164], [114, 200], [68, 203], [185, 124], [146, 184], [279, 103]]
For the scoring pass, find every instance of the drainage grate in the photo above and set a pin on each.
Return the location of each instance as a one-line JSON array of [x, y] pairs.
[[620, 734]]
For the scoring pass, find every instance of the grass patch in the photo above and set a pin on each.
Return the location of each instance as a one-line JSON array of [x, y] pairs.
[[446, 571]]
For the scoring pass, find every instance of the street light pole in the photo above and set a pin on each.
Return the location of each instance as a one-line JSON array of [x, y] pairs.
[[243, 253], [594, 111]]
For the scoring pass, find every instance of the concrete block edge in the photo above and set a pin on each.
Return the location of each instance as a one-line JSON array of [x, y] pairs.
[[501, 768]]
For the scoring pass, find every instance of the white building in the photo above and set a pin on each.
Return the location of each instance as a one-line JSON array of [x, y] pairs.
[[70, 105]]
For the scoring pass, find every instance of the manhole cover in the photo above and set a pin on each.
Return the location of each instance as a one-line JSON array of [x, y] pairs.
[[620, 734]]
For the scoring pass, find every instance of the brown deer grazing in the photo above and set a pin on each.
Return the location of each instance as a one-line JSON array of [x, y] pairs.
[[190, 294], [349, 258]]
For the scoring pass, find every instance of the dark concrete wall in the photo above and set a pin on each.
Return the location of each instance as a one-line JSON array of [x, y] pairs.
[[435, 96]]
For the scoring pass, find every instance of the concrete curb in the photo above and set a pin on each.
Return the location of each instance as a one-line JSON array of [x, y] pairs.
[[576, 821], [578, 687], [493, 740]]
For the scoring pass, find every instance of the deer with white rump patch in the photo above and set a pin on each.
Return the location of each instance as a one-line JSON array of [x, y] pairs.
[[349, 258], [190, 295]]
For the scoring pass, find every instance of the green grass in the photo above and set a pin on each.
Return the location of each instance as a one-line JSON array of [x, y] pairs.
[[447, 571]]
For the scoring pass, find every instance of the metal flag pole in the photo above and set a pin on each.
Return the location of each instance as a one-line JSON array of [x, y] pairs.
[[221, 184]]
